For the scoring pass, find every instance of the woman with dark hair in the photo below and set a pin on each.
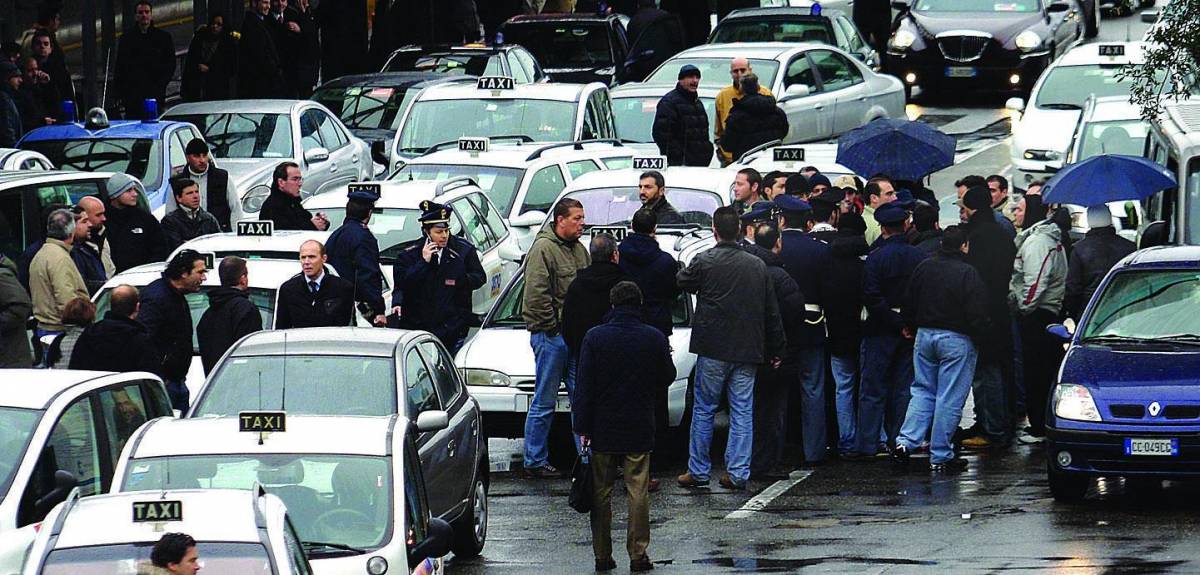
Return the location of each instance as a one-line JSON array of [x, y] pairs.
[[210, 64], [76, 316]]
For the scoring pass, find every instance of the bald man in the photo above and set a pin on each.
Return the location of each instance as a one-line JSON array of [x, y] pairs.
[[94, 208], [118, 342], [738, 67], [314, 297]]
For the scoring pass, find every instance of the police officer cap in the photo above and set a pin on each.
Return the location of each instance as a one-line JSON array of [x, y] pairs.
[[905, 199], [890, 214], [831, 196], [434, 214], [370, 194], [787, 203], [759, 212]]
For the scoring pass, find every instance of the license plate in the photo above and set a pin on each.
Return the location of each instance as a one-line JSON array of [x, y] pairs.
[[960, 72], [1153, 447], [561, 403]]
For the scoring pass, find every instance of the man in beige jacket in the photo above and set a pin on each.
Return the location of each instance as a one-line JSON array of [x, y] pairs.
[[53, 278]]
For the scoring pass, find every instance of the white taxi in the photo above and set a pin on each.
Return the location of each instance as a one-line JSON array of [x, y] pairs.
[[278, 245], [1109, 125], [792, 158], [1043, 133], [353, 486], [236, 531]]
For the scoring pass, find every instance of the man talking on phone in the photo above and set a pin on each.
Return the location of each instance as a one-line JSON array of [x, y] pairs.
[[433, 279]]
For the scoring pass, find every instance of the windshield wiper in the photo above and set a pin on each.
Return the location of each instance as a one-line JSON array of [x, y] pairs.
[[1189, 339], [1060, 106], [1114, 338], [312, 547]]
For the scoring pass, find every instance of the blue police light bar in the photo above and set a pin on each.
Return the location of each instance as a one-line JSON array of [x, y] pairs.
[[499, 38], [68, 111], [816, 9], [150, 105]]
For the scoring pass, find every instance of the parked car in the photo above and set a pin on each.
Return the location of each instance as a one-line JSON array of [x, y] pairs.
[[584, 48], [798, 23], [509, 60], [24, 196]]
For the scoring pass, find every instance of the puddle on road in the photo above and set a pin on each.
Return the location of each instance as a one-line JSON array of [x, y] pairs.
[[785, 565]]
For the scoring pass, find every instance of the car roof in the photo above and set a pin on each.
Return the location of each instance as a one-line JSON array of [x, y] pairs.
[[706, 179], [262, 273], [474, 48], [639, 90], [279, 241], [208, 515], [749, 50], [464, 91], [118, 129], [236, 106], [552, 17], [37, 388], [397, 194], [343, 435], [801, 9], [43, 176], [368, 342], [1088, 54], [507, 154], [392, 80], [1111, 108], [1182, 257]]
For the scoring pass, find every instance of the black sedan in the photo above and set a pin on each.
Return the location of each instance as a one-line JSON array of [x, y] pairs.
[[984, 44]]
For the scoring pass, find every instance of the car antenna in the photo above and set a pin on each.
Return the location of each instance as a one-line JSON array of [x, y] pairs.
[[283, 392]]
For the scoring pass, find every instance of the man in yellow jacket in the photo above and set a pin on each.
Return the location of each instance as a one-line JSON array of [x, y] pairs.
[[726, 97]]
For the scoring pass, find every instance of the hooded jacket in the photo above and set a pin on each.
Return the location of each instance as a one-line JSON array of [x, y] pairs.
[[1089, 262], [681, 129], [15, 308], [754, 120], [653, 270], [115, 343], [1039, 275], [586, 302], [230, 316], [550, 268]]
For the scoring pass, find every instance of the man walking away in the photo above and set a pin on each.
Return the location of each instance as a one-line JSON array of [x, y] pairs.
[[354, 253], [652, 269], [167, 316], [15, 309], [623, 364], [945, 304], [313, 297], [652, 190], [215, 196], [753, 121], [145, 63], [681, 124], [53, 278], [134, 235], [188, 221], [554, 259], [737, 327], [118, 342], [1092, 258], [230, 314]]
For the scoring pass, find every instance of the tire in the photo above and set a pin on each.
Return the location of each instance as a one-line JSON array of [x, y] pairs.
[[470, 529], [1067, 487]]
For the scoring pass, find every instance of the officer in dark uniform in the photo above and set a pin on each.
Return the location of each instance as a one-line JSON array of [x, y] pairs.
[[314, 297], [433, 278], [807, 260], [761, 212], [354, 253]]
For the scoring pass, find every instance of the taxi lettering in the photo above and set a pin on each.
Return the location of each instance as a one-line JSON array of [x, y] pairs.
[[157, 511], [496, 83], [473, 144], [788, 154], [650, 163], [262, 421], [255, 228]]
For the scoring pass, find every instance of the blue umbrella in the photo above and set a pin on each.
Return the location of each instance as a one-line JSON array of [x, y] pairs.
[[902, 149], [1108, 178]]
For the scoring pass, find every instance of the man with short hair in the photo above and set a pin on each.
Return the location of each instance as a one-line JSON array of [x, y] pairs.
[[754, 120], [134, 234], [681, 124], [91, 269], [176, 552], [118, 342], [53, 278], [797, 185], [879, 191], [1091, 258], [38, 98], [313, 297], [652, 269], [97, 234], [259, 69], [44, 46], [774, 184], [168, 319], [145, 63], [354, 253], [998, 186], [553, 262], [230, 314], [652, 190], [216, 197], [746, 189], [929, 231], [188, 221], [586, 301], [283, 205], [738, 67]]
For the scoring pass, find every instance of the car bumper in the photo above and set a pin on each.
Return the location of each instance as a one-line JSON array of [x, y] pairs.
[[505, 407], [986, 72], [1103, 453]]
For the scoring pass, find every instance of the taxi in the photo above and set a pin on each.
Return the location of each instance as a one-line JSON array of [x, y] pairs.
[[1108, 125], [236, 531], [521, 179], [773, 157], [636, 104], [1125, 403], [468, 60], [351, 485], [496, 106], [1042, 135]]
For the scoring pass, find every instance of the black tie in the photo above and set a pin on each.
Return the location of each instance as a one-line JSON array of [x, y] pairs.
[[312, 286]]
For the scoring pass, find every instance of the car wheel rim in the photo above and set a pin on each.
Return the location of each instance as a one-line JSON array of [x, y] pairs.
[[480, 511]]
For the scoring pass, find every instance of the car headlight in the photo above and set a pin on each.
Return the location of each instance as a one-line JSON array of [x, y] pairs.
[[253, 200], [903, 39], [377, 565], [1072, 401], [1042, 155], [486, 377], [1028, 40]]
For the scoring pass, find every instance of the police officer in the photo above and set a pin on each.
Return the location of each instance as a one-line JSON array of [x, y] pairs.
[[760, 213], [354, 253], [433, 278], [806, 259]]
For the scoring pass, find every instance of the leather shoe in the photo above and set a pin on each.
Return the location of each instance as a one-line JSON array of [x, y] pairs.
[[688, 481], [728, 483], [606, 564], [544, 472], [653, 485], [642, 564]]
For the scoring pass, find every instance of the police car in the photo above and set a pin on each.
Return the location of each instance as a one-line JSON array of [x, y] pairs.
[[496, 106], [352, 487], [1043, 134], [236, 531], [151, 151], [522, 179], [1109, 125], [26, 160], [60, 431]]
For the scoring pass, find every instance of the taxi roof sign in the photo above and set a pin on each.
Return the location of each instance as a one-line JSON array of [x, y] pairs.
[[210, 260], [157, 511], [617, 232], [255, 228], [1114, 50], [262, 421], [650, 163], [787, 155], [473, 145], [495, 83]]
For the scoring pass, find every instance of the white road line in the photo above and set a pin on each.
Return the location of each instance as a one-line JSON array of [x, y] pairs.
[[760, 501]]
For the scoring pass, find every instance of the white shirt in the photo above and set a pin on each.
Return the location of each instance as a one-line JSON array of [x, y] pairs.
[[201, 181], [309, 281]]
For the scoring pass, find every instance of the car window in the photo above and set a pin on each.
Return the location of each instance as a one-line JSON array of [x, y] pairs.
[[302, 384], [591, 120], [421, 394], [331, 134], [526, 61], [800, 71], [544, 188], [564, 44], [493, 217], [123, 410], [836, 71], [448, 387], [138, 157], [519, 74], [176, 155], [581, 167], [621, 163], [16, 230], [310, 136], [854, 41], [475, 229], [244, 135], [747, 30], [366, 106], [73, 447]]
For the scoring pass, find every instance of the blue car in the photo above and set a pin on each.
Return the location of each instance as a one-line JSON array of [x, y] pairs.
[[150, 151], [1127, 403]]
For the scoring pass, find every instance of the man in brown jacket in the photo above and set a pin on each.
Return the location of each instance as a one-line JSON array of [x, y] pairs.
[[53, 278]]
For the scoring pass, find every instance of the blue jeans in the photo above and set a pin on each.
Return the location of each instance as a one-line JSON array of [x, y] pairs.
[[845, 378], [550, 358], [944, 362], [887, 374], [811, 361], [736, 380]]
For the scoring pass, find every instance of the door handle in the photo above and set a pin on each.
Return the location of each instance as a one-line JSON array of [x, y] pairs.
[[450, 447], [818, 106], [354, 158], [333, 168]]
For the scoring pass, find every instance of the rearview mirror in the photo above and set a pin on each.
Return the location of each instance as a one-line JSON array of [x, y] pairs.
[[1059, 330], [316, 155], [436, 543], [64, 482], [900, 6], [528, 219], [510, 251], [1150, 16], [434, 420], [1015, 104]]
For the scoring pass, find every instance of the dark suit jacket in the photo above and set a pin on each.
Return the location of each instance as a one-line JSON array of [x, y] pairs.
[[332, 306], [218, 196]]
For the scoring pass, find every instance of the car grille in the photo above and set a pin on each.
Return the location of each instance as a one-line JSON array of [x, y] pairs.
[[963, 48], [1127, 411], [1181, 412], [1174, 412]]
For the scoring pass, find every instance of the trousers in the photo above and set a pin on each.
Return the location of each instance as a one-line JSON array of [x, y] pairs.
[[637, 480]]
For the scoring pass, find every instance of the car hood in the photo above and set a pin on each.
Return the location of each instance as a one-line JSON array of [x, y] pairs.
[[372, 135], [1044, 129], [500, 349], [1119, 373], [247, 172], [1002, 26]]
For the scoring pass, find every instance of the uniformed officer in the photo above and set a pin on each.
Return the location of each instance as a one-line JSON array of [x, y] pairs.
[[887, 362], [433, 278], [354, 253], [807, 260], [760, 213]]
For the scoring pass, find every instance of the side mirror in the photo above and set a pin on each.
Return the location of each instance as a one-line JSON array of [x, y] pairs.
[[316, 155], [1059, 330], [436, 543], [64, 482], [528, 219], [796, 91], [1150, 16], [1057, 7], [900, 6], [510, 251], [434, 420], [1015, 104], [379, 152]]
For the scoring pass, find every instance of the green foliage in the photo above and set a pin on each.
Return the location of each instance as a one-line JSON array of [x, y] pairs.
[[1170, 68]]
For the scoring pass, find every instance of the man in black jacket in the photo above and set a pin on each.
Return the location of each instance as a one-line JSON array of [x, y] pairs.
[[230, 314], [753, 120], [313, 297], [283, 205], [586, 302], [188, 221], [215, 196], [134, 235], [681, 124], [145, 63], [259, 72], [168, 319], [652, 269], [652, 190], [119, 342], [1092, 258]]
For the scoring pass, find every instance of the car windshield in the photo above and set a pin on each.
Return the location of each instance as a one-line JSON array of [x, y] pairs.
[[450, 64], [635, 117], [339, 499], [391, 226], [301, 384], [367, 107], [134, 559], [1070, 86], [714, 72], [436, 121], [500, 184], [262, 298], [798, 30], [140, 158], [508, 310], [245, 135], [16, 426], [1126, 137], [558, 45], [615, 206], [976, 6], [1147, 305]]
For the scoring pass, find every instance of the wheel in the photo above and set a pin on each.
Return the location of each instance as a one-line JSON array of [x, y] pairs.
[[1066, 487], [470, 529]]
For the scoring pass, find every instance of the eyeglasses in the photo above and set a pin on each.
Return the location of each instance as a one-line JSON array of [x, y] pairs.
[[296, 179]]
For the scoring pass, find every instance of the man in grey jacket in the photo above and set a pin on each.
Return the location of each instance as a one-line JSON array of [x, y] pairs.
[[736, 328]]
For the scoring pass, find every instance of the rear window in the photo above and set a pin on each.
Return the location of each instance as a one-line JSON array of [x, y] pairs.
[[302, 385], [799, 30], [564, 45]]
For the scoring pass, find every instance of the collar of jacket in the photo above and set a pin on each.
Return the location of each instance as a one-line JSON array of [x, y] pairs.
[[624, 314], [952, 255], [896, 239], [982, 217], [1104, 231], [662, 199], [112, 316], [59, 243], [687, 93]]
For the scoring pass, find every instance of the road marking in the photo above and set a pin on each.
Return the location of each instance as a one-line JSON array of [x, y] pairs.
[[760, 501]]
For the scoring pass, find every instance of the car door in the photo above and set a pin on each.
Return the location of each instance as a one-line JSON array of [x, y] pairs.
[[74, 445], [345, 155], [318, 174], [463, 446], [844, 81], [498, 227], [807, 114], [433, 446], [474, 230]]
